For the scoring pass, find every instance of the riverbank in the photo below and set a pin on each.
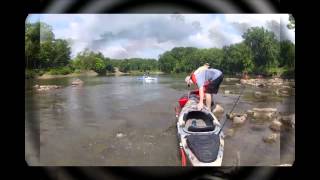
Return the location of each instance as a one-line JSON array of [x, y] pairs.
[[90, 73], [84, 73]]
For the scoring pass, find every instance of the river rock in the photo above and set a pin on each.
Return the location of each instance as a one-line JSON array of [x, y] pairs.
[[230, 133], [271, 138], [231, 79], [250, 113], [218, 110], [257, 94], [263, 113], [288, 121], [265, 109], [260, 82], [119, 135], [239, 120], [275, 125], [275, 82], [232, 115], [46, 87], [77, 82], [254, 82]]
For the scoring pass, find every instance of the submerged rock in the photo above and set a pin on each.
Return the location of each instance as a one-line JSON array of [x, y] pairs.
[[250, 113], [239, 120], [264, 109], [254, 82], [230, 133], [218, 110], [264, 113], [275, 82], [275, 125], [119, 135], [282, 92], [271, 138], [288, 121], [260, 82], [231, 79], [77, 82], [257, 94], [46, 87]]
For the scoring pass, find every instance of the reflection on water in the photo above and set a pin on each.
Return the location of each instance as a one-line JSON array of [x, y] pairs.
[[123, 121]]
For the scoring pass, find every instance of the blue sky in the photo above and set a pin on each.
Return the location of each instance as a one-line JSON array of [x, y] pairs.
[[148, 35]]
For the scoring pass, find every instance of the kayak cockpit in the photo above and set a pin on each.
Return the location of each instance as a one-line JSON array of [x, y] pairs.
[[198, 121]]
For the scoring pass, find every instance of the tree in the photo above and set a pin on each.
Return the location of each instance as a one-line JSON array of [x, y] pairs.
[[265, 48], [237, 58], [287, 54], [167, 62], [32, 45], [99, 66], [62, 53], [42, 50]]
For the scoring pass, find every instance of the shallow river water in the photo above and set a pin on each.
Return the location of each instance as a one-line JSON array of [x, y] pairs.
[[122, 121]]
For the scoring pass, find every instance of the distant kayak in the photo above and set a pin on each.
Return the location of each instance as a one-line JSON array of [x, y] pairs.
[[147, 78]]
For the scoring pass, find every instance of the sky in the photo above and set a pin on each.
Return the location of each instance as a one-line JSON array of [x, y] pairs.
[[149, 35]]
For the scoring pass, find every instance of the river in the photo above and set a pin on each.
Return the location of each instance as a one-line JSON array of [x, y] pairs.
[[120, 121]]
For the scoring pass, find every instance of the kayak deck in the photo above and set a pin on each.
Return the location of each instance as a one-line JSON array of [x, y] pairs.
[[204, 147]]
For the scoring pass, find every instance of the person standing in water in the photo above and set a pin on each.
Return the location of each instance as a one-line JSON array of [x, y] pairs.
[[208, 81]]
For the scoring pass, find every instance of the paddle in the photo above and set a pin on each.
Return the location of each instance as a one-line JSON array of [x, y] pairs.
[[234, 105]]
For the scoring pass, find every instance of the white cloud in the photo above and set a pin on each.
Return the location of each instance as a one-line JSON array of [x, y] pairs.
[[148, 35]]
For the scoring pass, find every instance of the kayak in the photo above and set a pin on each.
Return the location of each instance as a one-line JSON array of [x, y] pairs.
[[147, 78], [200, 140]]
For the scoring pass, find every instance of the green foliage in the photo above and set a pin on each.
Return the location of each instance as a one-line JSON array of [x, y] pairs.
[[265, 48], [42, 50], [186, 59], [100, 66], [260, 53], [61, 70], [237, 58], [135, 64], [89, 60], [32, 41], [288, 73], [287, 54], [30, 73]]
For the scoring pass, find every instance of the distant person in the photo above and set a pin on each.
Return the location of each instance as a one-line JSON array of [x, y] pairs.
[[208, 81]]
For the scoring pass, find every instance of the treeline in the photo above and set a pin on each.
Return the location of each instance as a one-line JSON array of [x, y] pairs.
[[135, 64], [46, 54], [259, 53], [42, 50]]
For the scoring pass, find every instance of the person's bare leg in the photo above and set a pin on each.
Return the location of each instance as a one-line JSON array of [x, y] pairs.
[[208, 100]]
